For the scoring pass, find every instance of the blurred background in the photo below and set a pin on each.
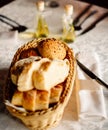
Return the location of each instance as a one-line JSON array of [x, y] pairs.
[[102, 3]]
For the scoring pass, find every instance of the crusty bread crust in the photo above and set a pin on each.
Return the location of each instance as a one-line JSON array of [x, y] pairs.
[[52, 48]]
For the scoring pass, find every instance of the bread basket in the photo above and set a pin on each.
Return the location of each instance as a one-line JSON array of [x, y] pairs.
[[43, 119]]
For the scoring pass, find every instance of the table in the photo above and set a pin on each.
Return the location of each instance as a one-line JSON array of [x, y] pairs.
[[94, 40]]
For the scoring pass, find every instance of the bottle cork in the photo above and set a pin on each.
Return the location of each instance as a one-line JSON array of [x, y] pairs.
[[40, 5], [69, 9]]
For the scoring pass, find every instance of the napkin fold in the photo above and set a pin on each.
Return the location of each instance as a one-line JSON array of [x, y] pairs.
[[92, 103], [91, 60]]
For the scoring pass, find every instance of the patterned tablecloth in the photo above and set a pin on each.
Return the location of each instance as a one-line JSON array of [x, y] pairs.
[[24, 12]]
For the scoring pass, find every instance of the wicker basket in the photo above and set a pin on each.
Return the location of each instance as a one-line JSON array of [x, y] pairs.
[[44, 119]]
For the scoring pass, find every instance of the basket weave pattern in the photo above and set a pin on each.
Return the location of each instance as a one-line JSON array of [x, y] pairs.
[[44, 119]]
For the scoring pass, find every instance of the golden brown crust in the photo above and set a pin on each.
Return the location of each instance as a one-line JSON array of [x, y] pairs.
[[56, 93], [52, 48], [17, 98], [28, 53], [29, 100], [42, 100]]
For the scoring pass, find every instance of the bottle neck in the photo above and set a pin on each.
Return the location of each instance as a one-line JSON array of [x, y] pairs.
[[67, 18]]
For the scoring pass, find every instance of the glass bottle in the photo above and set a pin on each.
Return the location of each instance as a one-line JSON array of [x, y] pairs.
[[42, 27], [68, 28]]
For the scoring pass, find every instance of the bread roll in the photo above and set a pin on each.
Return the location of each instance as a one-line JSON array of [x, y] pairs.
[[19, 65], [51, 48], [29, 100], [42, 99], [25, 78], [17, 98], [50, 74], [55, 93]]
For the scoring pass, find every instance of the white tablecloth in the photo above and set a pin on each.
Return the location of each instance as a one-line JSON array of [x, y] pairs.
[[96, 40]]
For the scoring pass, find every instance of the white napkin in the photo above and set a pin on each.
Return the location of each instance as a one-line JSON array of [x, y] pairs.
[[92, 104], [8, 46], [91, 61], [91, 94]]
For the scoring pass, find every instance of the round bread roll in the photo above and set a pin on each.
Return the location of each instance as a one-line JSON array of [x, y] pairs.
[[52, 48]]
